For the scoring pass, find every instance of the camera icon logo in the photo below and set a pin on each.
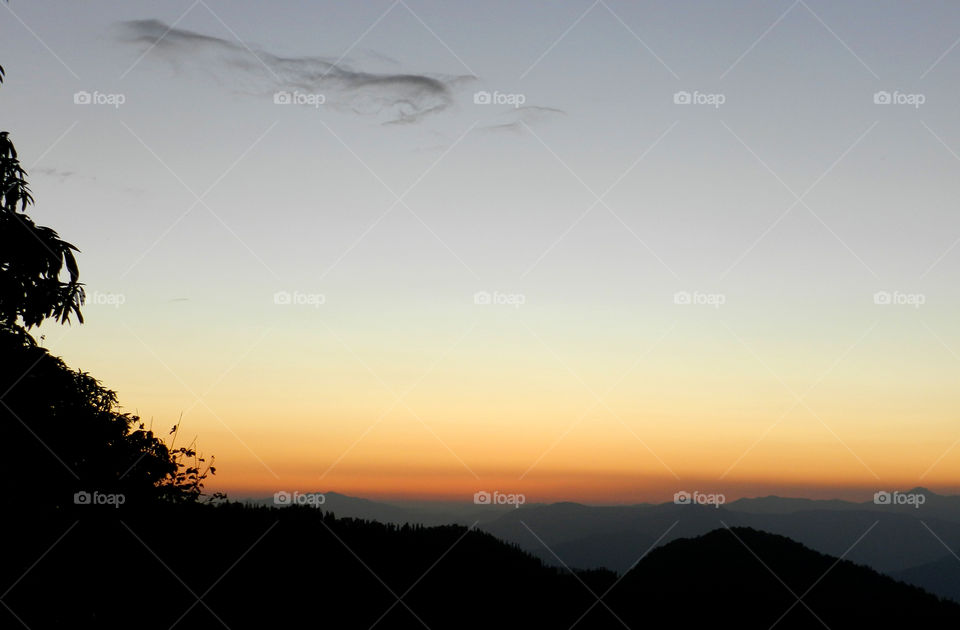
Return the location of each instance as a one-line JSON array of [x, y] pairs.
[[482, 297], [481, 498], [282, 98], [682, 297], [882, 98], [282, 297], [682, 98], [681, 498], [82, 98], [482, 98], [882, 297], [882, 497], [282, 498], [82, 498]]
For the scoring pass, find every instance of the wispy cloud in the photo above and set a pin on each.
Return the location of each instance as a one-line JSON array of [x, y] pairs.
[[54, 172], [514, 119], [396, 98]]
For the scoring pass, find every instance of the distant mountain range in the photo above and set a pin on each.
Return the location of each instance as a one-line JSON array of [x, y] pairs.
[[413, 512], [912, 543], [940, 577]]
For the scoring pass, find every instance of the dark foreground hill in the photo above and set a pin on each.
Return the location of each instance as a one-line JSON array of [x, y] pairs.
[[238, 567], [269, 568], [746, 578]]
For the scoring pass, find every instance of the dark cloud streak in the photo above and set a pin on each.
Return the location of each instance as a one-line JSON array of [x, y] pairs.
[[397, 98], [525, 115]]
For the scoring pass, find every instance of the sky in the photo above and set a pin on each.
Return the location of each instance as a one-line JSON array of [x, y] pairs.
[[584, 251]]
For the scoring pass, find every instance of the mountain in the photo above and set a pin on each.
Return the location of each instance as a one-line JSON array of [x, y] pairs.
[[243, 567], [744, 578], [894, 542], [940, 577], [602, 537], [347, 506], [932, 505], [613, 537], [788, 505], [412, 512]]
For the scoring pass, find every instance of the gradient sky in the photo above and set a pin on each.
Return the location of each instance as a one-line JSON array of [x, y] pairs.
[[795, 201]]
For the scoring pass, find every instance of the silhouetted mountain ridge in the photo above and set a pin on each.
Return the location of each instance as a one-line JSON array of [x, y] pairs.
[[263, 568], [613, 537], [745, 578], [418, 513]]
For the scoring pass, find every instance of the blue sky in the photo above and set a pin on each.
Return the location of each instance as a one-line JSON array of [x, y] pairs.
[[796, 198]]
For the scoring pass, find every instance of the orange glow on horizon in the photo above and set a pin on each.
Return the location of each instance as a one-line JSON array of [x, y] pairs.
[[498, 410]]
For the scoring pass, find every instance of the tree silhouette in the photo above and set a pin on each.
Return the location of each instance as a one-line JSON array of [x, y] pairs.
[[62, 431], [32, 257]]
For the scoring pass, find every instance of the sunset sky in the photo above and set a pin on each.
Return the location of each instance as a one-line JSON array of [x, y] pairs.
[[587, 203]]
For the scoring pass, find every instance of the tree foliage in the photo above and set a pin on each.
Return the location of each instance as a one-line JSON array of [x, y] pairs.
[[61, 430], [33, 258], [63, 433]]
